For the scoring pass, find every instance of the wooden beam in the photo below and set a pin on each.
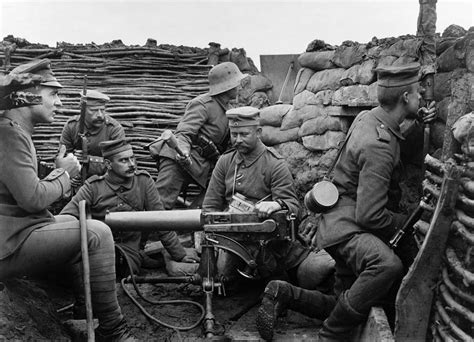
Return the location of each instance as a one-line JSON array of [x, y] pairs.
[[414, 298]]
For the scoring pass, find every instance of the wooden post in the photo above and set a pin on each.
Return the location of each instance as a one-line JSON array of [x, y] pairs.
[[86, 271], [414, 298]]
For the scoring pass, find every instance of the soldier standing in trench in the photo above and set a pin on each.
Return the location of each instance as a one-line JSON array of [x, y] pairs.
[[32, 240], [202, 134]]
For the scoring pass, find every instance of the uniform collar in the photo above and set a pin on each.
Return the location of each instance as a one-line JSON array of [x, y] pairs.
[[220, 102], [388, 120], [116, 182], [249, 159]]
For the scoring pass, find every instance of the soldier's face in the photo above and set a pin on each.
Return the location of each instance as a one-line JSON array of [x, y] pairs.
[[123, 164], [49, 107], [95, 115], [245, 139]]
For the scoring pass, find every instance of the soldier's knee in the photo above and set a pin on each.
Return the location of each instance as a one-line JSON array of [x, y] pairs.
[[393, 267], [99, 235]]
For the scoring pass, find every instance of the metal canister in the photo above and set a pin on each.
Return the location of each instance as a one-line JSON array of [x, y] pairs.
[[322, 197]]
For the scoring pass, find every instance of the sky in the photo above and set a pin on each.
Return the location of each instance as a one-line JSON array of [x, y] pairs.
[[261, 27]]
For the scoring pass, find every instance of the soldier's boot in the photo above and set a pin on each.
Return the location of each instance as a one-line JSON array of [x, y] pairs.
[[121, 333], [280, 296], [339, 326]]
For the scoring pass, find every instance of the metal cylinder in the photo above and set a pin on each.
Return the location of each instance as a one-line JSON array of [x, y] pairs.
[[158, 220], [321, 197]]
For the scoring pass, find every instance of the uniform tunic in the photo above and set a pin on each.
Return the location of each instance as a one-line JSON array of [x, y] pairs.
[[106, 193], [261, 173], [364, 175], [111, 130], [204, 115], [23, 196]]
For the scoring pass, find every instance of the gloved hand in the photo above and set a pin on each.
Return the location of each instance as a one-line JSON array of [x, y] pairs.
[[191, 256]]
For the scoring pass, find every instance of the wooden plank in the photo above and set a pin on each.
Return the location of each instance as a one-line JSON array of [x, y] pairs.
[[376, 329], [413, 303]]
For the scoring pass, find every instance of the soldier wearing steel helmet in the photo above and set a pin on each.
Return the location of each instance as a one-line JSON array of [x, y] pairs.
[[202, 135]]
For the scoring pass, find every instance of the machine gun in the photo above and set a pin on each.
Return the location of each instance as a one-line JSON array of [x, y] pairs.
[[222, 230]]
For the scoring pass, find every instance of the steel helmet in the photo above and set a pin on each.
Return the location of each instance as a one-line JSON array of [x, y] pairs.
[[224, 77]]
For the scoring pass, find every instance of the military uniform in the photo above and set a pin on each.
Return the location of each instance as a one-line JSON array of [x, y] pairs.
[[32, 240], [23, 197], [255, 176], [356, 231], [107, 193], [111, 130]]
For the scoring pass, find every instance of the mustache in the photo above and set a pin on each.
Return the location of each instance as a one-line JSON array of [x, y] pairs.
[[132, 169]]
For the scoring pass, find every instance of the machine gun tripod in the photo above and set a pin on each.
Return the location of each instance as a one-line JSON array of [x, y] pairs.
[[222, 230]]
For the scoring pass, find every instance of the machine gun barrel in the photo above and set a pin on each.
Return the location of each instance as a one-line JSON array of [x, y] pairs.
[[162, 220]]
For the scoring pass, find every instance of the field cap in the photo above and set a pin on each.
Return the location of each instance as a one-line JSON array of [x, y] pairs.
[[243, 116], [112, 147]]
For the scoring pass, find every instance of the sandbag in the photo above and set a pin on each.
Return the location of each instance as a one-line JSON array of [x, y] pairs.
[[239, 57], [295, 117], [346, 56], [442, 109], [318, 60], [356, 96], [403, 47], [454, 57], [274, 135], [321, 124], [359, 74], [302, 78], [273, 115], [325, 79], [323, 142], [306, 97]]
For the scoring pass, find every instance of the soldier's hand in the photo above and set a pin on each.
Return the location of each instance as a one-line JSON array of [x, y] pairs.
[[266, 208], [76, 182], [184, 161], [428, 114], [79, 154], [191, 256], [68, 163]]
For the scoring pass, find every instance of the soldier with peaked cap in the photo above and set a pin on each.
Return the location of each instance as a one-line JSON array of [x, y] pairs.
[[261, 176], [98, 126], [356, 231], [32, 240], [124, 188]]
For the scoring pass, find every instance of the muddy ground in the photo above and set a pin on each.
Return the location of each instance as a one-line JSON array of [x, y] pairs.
[[28, 312]]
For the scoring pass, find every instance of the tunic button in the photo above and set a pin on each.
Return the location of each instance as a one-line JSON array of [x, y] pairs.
[[382, 126]]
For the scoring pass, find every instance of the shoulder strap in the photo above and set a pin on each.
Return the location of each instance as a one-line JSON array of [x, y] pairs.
[[333, 164]]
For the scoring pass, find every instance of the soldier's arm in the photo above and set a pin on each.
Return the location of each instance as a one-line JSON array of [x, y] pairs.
[[214, 199], [283, 188], [169, 239], [194, 118], [72, 207], [31, 193], [376, 164]]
